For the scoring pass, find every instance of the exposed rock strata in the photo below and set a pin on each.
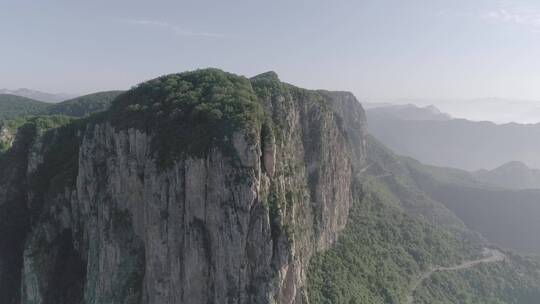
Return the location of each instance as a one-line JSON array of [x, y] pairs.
[[112, 226]]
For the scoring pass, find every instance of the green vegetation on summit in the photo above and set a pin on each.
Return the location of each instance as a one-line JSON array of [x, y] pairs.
[[189, 112]]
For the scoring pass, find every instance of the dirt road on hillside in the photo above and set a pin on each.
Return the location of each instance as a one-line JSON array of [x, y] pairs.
[[490, 256]]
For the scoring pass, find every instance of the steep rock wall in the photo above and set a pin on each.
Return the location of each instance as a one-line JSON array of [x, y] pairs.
[[113, 226]]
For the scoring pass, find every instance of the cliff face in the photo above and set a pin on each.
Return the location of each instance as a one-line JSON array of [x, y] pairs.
[[104, 219], [7, 137]]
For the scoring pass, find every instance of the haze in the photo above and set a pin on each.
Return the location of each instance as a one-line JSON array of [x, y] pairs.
[[378, 49]]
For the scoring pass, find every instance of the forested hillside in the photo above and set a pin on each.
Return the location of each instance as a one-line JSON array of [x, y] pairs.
[[12, 106]]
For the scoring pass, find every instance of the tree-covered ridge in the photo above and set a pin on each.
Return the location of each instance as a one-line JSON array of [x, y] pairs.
[[16, 111], [84, 105], [12, 106], [189, 112]]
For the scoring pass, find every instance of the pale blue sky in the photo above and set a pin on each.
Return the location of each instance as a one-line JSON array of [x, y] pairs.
[[375, 48]]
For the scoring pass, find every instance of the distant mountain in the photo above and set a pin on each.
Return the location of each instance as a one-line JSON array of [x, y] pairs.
[[457, 143], [37, 95], [505, 216], [12, 106], [498, 110], [513, 175], [409, 112], [85, 105]]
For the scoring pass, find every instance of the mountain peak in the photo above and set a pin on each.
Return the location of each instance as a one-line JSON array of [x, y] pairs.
[[270, 75], [513, 165]]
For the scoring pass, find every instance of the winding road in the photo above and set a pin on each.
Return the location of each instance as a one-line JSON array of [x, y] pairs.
[[490, 256]]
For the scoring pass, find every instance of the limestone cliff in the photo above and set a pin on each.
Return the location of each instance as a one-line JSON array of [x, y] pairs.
[[201, 187], [7, 137]]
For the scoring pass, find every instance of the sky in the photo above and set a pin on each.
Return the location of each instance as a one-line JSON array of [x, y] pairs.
[[378, 49]]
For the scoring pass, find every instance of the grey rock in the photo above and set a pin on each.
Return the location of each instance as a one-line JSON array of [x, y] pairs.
[[217, 228]]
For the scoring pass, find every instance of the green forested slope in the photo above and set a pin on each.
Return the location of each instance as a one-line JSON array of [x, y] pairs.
[[390, 241], [12, 106], [505, 216], [85, 105], [515, 281], [380, 252]]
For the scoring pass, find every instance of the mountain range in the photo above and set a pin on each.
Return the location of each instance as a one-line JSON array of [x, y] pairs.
[[456, 143], [408, 112], [38, 95], [210, 187], [497, 110], [512, 175], [12, 106]]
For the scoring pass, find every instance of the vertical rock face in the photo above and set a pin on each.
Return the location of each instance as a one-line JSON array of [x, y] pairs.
[[352, 120], [234, 224], [7, 137]]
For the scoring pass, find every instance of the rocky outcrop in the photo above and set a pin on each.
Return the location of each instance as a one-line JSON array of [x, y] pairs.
[[234, 224], [7, 137]]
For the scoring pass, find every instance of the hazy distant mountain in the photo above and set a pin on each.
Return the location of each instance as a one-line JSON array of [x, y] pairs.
[[498, 110], [513, 175], [508, 217], [38, 95], [409, 112], [457, 143]]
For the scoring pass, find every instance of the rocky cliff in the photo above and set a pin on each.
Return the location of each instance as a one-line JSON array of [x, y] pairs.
[[200, 187], [7, 136]]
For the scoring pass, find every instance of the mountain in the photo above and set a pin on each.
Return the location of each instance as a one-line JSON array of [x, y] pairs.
[[209, 187], [15, 111], [37, 95], [249, 178], [84, 105], [505, 216], [498, 110], [409, 112], [12, 106], [388, 245], [457, 143], [512, 175]]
